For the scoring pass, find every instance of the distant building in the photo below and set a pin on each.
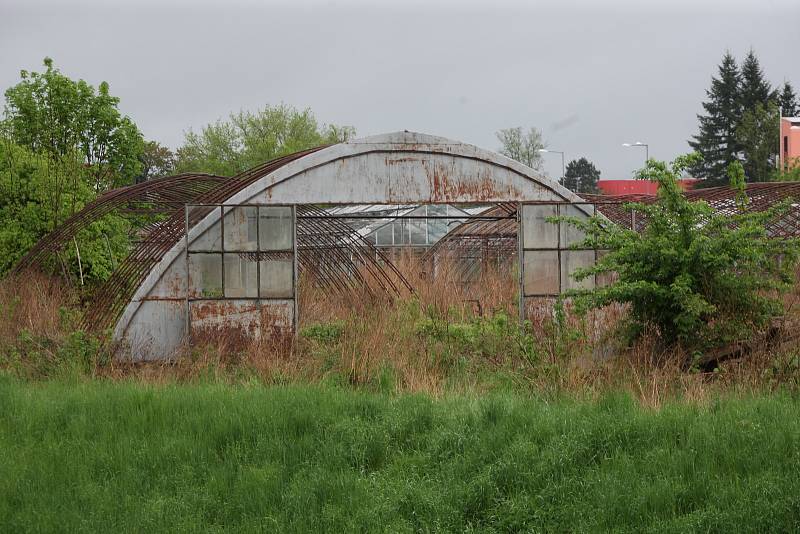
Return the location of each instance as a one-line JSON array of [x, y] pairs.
[[637, 187], [790, 141]]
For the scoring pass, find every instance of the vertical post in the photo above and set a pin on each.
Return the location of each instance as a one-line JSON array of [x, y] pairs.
[[78, 252], [186, 259], [558, 229], [110, 252], [780, 141], [222, 243], [521, 269], [295, 310], [563, 169], [258, 264]]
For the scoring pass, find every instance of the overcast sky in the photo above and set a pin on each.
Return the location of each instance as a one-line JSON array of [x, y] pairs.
[[590, 77]]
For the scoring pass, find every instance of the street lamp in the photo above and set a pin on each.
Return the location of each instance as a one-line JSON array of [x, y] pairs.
[[646, 149], [563, 170]]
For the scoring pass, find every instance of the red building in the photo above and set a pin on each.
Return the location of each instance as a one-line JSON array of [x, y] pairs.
[[636, 187], [790, 141]]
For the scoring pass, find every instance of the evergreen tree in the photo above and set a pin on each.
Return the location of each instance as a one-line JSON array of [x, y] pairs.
[[581, 176], [754, 88], [716, 140], [758, 138], [788, 101]]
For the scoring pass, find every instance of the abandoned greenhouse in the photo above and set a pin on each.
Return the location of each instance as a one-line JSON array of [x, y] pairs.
[[230, 253]]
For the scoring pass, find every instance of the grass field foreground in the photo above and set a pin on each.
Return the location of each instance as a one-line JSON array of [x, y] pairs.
[[111, 456]]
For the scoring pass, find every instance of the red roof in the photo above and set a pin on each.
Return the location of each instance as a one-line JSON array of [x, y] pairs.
[[636, 187]]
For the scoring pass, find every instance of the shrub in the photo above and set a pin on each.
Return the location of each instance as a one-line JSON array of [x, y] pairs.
[[700, 277]]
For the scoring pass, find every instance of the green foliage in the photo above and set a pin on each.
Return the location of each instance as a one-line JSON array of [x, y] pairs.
[[758, 136], [248, 139], [521, 146], [790, 173], [51, 114], [61, 143], [33, 356], [36, 194], [323, 332], [701, 278], [787, 101], [740, 122], [481, 337], [716, 140], [755, 89], [157, 161], [109, 457], [581, 176]]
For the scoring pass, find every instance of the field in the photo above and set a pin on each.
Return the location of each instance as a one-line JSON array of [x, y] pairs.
[[110, 456], [420, 414]]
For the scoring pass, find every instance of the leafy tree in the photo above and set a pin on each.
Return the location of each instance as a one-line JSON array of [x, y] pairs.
[[521, 146], [248, 139], [36, 194], [787, 100], [51, 114], [755, 89], [157, 160], [716, 141], [581, 176], [698, 277], [757, 134]]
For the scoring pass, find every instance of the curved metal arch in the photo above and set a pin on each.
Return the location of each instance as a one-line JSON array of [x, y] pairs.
[[158, 196]]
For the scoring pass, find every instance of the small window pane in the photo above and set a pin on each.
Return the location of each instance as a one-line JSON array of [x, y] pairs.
[[277, 279], [384, 235], [275, 228], [400, 233], [569, 234], [417, 231], [437, 228], [211, 239], [437, 209], [240, 228], [571, 260], [537, 232], [240, 276], [205, 275], [540, 273]]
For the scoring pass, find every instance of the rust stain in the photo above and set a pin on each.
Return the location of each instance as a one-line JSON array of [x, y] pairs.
[[446, 188], [235, 319], [395, 161]]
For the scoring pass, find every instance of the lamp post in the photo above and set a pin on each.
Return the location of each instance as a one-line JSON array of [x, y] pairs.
[[646, 149], [563, 170]]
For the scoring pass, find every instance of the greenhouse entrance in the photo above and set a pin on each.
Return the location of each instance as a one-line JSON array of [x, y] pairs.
[[250, 262], [262, 269]]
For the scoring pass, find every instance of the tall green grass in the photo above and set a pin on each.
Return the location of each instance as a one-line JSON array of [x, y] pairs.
[[117, 456]]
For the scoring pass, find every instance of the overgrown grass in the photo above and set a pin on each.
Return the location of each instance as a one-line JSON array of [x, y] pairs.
[[117, 456]]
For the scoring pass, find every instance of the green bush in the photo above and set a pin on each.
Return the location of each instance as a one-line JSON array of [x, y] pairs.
[[702, 278], [323, 332]]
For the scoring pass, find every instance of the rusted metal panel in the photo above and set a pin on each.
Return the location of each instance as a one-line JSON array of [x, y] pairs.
[[240, 317], [405, 177]]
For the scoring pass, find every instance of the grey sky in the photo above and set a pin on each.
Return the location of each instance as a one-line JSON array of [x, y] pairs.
[[590, 76]]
